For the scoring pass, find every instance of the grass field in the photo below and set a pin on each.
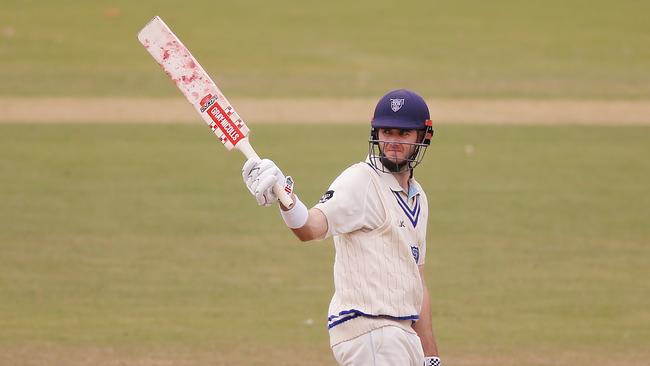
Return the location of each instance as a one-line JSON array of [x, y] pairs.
[[460, 48], [139, 245]]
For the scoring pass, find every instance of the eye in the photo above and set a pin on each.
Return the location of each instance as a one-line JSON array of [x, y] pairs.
[[405, 132]]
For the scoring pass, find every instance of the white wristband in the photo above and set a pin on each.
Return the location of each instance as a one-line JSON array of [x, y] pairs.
[[297, 216], [432, 361]]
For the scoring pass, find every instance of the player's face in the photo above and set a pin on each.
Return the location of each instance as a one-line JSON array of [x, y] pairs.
[[396, 144]]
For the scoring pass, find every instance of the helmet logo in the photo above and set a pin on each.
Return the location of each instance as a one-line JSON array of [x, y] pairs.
[[396, 104]]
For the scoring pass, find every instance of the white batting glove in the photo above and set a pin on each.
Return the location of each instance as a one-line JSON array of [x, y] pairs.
[[260, 176]]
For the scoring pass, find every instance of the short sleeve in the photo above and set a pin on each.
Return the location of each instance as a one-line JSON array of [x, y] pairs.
[[345, 203]]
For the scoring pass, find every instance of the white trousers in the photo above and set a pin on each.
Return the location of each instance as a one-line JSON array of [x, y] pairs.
[[386, 346]]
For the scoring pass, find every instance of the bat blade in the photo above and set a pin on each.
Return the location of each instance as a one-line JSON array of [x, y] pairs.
[[199, 89], [192, 80]]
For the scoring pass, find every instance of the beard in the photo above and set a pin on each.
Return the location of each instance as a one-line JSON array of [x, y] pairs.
[[392, 166], [393, 163]]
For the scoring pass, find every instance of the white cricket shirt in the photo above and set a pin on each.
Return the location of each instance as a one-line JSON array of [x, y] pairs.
[[380, 239]]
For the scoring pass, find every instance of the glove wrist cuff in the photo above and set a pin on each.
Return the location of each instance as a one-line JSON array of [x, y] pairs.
[[297, 216], [432, 361]]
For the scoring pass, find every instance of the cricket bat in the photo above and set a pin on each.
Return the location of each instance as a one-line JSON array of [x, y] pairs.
[[199, 89]]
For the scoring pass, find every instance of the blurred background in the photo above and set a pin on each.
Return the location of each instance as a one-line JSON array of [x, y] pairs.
[[127, 241], [550, 49]]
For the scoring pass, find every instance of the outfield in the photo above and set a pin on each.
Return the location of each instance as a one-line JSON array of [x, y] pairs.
[[254, 48], [140, 245], [133, 243]]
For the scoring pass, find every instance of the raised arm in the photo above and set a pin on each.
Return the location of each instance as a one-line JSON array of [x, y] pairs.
[[260, 176], [342, 209]]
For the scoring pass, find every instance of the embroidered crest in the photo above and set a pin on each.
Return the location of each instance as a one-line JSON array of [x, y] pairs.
[[416, 253], [326, 196], [396, 104]]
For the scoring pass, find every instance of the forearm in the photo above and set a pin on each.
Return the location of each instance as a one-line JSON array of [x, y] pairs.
[[424, 328], [315, 226], [313, 229]]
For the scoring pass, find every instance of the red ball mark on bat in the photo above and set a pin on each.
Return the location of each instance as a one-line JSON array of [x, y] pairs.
[[146, 44], [187, 80], [165, 55], [195, 95], [191, 64]]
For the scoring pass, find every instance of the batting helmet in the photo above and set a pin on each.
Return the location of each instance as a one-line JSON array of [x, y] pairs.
[[405, 110]]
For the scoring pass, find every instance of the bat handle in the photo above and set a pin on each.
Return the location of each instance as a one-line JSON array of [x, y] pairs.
[[245, 147]]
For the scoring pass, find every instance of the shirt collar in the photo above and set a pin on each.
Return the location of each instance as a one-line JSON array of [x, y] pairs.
[[414, 188]]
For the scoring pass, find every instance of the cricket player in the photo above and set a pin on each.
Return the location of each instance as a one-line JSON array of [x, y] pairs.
[[377, 212]]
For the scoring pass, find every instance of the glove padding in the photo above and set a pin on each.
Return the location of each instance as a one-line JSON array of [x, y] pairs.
[[432, 361], [260, 176]]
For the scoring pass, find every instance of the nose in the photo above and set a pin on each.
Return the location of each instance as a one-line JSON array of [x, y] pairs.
[[393, 145]]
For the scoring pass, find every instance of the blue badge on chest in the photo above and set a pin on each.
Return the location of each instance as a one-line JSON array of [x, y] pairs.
[[416, 253]]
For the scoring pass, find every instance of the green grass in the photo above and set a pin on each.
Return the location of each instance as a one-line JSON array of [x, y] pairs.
[[550, 49], [143, 239]]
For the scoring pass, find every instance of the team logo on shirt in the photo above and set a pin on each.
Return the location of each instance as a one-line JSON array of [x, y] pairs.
[[326, 196], [416, 253], [396, 104]]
